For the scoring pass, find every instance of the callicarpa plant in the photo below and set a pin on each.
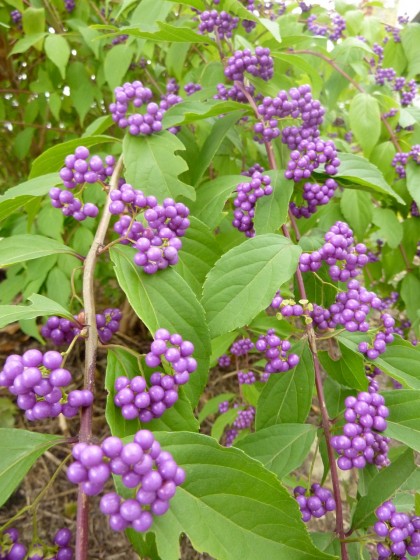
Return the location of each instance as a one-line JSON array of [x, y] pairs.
[[210, 241]]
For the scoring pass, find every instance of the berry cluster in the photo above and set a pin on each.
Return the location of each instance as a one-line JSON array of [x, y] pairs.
[[12, 549], [243, 421], [221, 23], [316, 504], [141, 464], [260, 64], [133, 396], [224, 361], [276, 352], [241, 347], [315, 195], [338, 25], [246, 377], [191, 88], [401, 159], [307, 155], [401, 533], [38, 381], [350, 309], [69, 5], [338, 247], [61, 331], [78, 170], [382, 338], [362, 441], [158, 241], [16, 16], [287, 308], [233, 93], [137, 123], [246, 199]]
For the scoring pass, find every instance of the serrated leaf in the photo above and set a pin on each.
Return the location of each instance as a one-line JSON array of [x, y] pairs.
[[221, 422], [53, 158], [271, 211], [198, 254], [413, 181], [165, 300], [410, 37], [191, 111], [286, 397], [229, 506], [58, 51], [117, 62], [404, 417], [348, 369], [212, 405], [19, 449], [365, 120], [21, 248], [243, 280], [165, 33], [281, 448], [16, 197], [41, 307], [390, 228], [212, 196], [400, 359], [153, 166], [27, 42], [211, 145], [381, 488], [357, 209], [357, 172], [410, 293]]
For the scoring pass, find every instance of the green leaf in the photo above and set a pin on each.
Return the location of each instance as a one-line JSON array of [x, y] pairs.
[[117, 62], [244, 279], [413, 181], [58, 286], [19, 451], [357, 172], [212, 405], [410, 293], [199, 253], [356, 207], [41, 307], [191, 111], [381, 488], [221, 422], [281, 448], [410, 38], [166, 32], [120, 362], [212, 196], [286, 397], [165, 300], [271, 211], [33, 20], [365, 120], [152, 165], [400, 359], [335, 394], [390, 228], [348, 369], [27, 42], [21, 248], [229, 506], [16, 197], [404, 417], [53, 158], [58, 51], [212, 144]]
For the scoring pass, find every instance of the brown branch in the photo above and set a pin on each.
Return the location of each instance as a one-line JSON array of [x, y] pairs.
[[85, 433]]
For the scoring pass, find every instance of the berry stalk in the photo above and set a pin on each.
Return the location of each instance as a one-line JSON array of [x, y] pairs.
[[85, 433]]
